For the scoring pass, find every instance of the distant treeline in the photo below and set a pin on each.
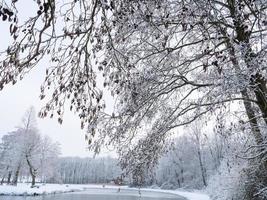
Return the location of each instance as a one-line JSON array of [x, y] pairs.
[[88, 170]]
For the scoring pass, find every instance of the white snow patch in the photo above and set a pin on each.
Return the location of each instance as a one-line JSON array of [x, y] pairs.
[[41, 189], [25, 189], [195, 195], [192, 195]]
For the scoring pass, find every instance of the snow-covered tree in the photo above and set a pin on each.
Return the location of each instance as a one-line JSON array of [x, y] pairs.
[[31, 140], [11, 157], [166, 62], [181, 166], [48, 159], [25, 151]]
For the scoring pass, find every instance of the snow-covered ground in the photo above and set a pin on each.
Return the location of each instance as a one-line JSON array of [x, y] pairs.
[[195, 195], [25, 189]]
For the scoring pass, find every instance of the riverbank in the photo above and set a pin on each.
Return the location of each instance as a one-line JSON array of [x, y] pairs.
[[24, 189]]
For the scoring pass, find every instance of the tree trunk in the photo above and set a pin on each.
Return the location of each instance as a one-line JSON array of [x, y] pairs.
[[4, 176], [3, 180], [247, 104], [257, 178], [9, 177], [32, 171], [178, 179], [33, 179], [15, 179], [202, 168], [257, 82], [252, 119], [262, 102], [182, 176]]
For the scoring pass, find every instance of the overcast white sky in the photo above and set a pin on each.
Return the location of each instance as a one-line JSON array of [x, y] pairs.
[[15, 100]]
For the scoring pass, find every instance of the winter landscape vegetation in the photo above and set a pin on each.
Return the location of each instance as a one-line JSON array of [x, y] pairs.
[[170, 98]]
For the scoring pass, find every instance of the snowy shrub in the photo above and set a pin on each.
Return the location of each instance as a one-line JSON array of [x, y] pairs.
[[169, 185], [226, 183]]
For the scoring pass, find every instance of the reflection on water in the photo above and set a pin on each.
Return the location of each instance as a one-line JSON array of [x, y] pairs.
[[101, 194]]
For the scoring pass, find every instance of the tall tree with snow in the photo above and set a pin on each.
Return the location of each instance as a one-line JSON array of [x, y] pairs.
[[166, 62], [26, 150]]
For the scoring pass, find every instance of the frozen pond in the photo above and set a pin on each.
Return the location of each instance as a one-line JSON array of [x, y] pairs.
[[101, 194]]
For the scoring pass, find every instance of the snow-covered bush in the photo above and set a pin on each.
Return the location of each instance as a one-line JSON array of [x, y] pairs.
[[226, 183], [169, 185]]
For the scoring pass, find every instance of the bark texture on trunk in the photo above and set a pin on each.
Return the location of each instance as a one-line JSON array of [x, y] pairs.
[[32, 171], [9, 177], [16, 175], [252, 119]]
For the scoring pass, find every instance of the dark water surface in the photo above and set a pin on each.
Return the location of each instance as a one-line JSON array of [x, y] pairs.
[[101, 194]]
